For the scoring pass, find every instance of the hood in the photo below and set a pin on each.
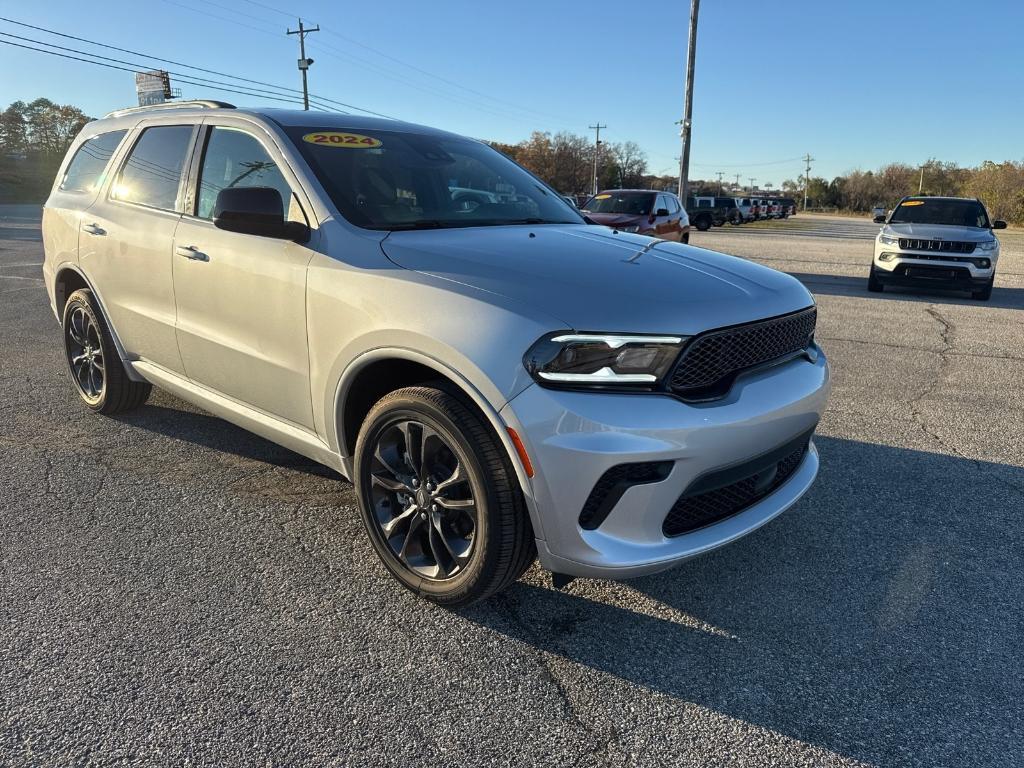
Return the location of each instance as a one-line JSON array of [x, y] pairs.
[[616, 219], [938, 231], [596, 280]]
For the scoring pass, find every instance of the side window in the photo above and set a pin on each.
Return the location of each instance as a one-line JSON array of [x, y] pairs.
[[85, 171], [661, 203], [234, 158], [152, 174], [673, 204]]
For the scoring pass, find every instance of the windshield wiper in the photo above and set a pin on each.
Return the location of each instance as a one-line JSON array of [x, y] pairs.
[[421, 224]]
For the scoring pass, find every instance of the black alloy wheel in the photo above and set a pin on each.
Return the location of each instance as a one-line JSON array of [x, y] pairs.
[[82, 341], [100, 377], [439, 496], [422, 499]]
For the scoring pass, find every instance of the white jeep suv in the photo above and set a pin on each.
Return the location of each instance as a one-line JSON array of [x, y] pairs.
[[500, 380], [940, 242]]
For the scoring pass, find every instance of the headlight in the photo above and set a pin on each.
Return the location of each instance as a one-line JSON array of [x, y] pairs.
[[602, 360], [988, 245], [888, 240], [632, 228]]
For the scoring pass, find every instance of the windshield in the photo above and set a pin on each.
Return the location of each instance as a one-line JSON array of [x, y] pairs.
[[635, 203], [957, 213], [391, 180]]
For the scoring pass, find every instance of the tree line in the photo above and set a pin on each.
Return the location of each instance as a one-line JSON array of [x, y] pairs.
[[33, 139], [1000, 186]]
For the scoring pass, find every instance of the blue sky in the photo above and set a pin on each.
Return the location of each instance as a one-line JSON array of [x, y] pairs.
[[856, 84]]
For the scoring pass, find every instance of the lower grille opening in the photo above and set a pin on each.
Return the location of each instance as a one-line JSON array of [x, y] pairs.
[[713, 497], [613, 483]]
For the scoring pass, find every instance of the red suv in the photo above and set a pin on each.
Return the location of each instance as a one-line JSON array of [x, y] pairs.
[[643, 211]]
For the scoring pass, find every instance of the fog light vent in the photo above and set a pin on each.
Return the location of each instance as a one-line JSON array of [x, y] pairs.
[[615, 482]]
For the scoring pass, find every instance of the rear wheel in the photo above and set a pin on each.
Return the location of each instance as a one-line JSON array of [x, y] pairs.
[[439, 497], [95, 365], [985, 293], [874, 284], [703, 223]]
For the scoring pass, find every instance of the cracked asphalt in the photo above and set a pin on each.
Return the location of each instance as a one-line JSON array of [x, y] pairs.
[[176, 591]]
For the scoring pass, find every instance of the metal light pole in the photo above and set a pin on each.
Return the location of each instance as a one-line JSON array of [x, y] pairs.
[[687, 122]]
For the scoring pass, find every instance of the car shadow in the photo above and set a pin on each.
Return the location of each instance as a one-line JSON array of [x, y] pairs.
[[178, 421], [836, 285], [878, 619]]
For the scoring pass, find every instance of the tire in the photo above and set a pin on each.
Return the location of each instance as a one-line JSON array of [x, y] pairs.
[[703, 223], [874, 284], [96, 369], [985, 293], [685, 240], [453, 543]]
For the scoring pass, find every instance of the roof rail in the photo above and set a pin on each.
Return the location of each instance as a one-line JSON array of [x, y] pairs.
[[193, 103]]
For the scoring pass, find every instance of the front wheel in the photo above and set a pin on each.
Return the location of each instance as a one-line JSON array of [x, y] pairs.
[[985, 293], [96, 368], [439, 498], [874, 284]]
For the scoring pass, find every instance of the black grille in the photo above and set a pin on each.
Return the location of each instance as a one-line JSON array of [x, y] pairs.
[[616, 481], [929, 272], [709, 501], [711, 361], [945, 246]]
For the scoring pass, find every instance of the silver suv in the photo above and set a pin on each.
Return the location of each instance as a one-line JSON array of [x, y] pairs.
[[499, 379], [940, 242]]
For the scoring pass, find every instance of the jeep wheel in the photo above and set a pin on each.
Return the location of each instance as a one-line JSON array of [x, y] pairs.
[[874, 284], [95, 365], [439, 498], [703, 223]]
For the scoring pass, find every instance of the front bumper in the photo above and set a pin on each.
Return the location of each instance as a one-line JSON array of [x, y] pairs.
[[573, 438], [923, 269]]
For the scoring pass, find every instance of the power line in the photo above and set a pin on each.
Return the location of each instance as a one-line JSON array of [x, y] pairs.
[[323, 99], [134, 71], [201, 80], [427, 73]]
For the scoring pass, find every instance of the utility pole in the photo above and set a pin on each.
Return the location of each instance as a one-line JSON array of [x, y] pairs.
[[920, 184], [303, 61], [807, 176], [720, 174], [597, 149], [751, 180], [737, 181], [687, 122]]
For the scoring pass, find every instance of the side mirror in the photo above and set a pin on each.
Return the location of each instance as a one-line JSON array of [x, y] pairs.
[[879, 219], [998, 224], [254, 211], [661, 212]]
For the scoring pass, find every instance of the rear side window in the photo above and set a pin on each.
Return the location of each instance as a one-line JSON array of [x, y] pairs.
[[152, 174], [234, 158], [85, 171]]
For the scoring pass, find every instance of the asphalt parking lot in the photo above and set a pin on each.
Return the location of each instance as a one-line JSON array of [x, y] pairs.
[[176, 591]]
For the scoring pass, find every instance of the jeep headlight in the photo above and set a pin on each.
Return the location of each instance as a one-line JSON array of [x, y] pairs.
[[988, 245], [602, 360], [888, 240]]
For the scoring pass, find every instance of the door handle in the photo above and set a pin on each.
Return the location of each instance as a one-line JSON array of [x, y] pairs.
[[191, 252], [92, 229]]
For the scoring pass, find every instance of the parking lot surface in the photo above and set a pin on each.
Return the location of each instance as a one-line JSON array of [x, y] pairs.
[[174, 590]]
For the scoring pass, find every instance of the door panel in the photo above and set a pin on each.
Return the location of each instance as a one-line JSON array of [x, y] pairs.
[[242, 317], [241, 299], [125, 244]]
